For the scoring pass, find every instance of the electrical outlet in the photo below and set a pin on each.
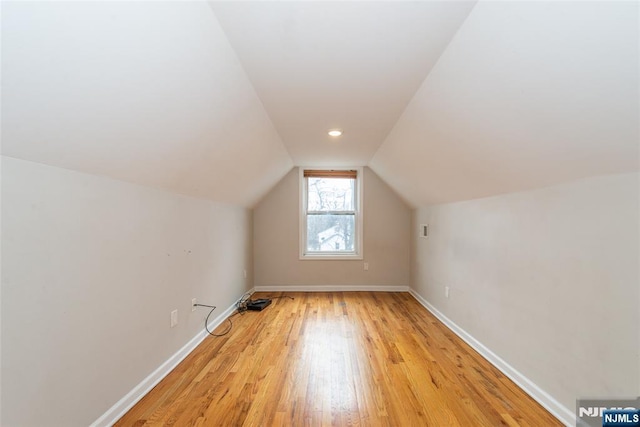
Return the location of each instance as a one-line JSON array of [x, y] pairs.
[[194, 301], [446, 291], [366, 266], [174, 318], [244, 272]]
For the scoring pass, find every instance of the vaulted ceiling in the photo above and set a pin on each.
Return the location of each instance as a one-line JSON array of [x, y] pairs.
[[445, 100], [349, 65]]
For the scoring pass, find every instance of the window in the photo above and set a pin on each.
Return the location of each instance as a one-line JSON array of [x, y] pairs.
[[330, 214]]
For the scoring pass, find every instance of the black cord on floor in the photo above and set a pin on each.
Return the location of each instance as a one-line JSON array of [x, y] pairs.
[[206, 322], [206, 325], [245, 299], [241, 307]]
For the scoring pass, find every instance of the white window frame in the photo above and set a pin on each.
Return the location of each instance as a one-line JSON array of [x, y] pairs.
[[357, 254]]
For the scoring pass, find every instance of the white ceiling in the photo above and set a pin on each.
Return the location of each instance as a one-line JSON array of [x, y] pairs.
[[527, 94], [348, 65], [145, 92], [445, 100]]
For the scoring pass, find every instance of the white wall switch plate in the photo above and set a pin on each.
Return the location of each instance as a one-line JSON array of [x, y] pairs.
[[174, 318], [366, 266]]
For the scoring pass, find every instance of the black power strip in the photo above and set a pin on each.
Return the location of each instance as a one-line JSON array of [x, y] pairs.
[[258, 304]]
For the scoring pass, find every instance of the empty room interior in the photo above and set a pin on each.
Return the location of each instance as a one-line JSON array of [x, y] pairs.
[[318, 213]]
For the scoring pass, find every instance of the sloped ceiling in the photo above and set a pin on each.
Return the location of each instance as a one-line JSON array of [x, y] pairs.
[[145, 92], [527, 94], [445, 100], [328, 64]]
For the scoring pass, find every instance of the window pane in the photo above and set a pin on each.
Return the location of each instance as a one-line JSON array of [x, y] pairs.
[[330, 233], [330, 194]]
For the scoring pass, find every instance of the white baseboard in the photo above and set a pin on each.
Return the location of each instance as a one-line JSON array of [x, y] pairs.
[[332, 288], [121, 407], [562, 413]]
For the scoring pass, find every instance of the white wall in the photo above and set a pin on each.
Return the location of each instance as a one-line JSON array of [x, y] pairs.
[[547, 279], [386, 240], [91, 269]]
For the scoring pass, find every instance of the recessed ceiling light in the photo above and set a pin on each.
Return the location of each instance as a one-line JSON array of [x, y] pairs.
[[335, 132]]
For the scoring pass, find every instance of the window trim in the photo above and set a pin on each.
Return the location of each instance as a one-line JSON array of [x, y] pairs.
[[302, 206]]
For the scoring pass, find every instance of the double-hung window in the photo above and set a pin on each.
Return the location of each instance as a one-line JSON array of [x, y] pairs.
[[331, 214]]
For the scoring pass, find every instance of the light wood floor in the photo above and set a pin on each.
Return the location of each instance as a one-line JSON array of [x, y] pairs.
[[337, 358]]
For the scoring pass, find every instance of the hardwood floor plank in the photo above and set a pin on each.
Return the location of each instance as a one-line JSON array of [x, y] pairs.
[[339, 359]]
